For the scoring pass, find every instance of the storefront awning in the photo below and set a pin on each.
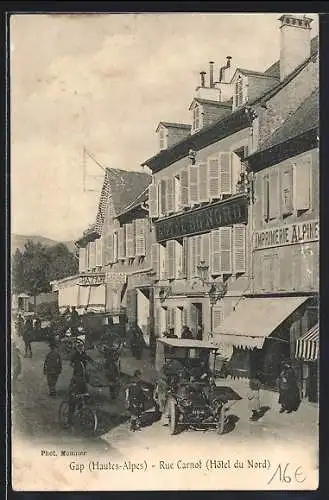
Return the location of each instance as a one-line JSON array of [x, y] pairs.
[[307, 347], [254, 320]]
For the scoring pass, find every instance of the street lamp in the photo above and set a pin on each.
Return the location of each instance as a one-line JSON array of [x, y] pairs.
[[216, 291]]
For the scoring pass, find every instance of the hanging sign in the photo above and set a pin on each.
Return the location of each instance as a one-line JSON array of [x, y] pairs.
[[92, 279], [287, 234]]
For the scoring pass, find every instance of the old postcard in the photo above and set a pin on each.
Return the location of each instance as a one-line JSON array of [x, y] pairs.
[[165, 251]]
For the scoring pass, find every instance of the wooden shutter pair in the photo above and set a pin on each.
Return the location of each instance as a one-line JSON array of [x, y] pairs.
[[155, 259], [194, 255], [153, 200], [228, 250], [92, 255], [140, 237], [303, 173], [174, 259], [220, 175]]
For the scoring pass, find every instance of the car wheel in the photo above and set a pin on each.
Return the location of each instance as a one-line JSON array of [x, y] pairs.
[[172, 417], [87, 421]]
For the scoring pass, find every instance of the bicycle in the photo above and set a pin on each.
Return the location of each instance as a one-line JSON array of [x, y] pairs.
[[84, 416]]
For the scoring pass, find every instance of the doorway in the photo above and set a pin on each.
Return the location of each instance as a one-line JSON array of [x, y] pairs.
[[197, 320]]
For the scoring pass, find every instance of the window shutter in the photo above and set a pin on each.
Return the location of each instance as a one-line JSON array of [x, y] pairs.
[[163, 196], [140, 230], [197, 255], [213, 178], [203, 182], [99, 260], [225, 173], [193, 185], [171, 271], [236, 171], [185, 257], [163, 262], [153, 200], [170, 201], [178, 200], [87, 257], [179, 259], [191, 256], [287, 190], [109, 253], [226, 250], [274, 195], [303, 184], [122, 243], [215, 252], [115, 247], [217, 316], [82, 260], [155, 259], [184, 188], [239, 248], [205, 248], [130, 240], [92, 255], [265, 206]]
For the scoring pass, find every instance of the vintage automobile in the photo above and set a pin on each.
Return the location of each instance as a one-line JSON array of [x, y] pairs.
[[186, 393]]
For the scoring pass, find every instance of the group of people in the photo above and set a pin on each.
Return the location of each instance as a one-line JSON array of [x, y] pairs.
[[289, 396], [186, 333], [25, 329]]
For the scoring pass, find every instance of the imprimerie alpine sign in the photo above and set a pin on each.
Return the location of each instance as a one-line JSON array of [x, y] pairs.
[[234, 210], [288, 234]]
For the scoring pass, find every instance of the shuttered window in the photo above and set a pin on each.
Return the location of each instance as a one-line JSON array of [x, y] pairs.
[[190, 254], [177, 197], [99, 248], [239, 248], [205, 248], [196, 254], [115, 247], [287, 191], [203, 182], [184, 188], [109, 250], [213, 178], [163, 196], [225, 173], [238, 92], [193, 185], [155, 259], [140, 237], [236, 171], [82, 260], [122, 243], [185, 258], [274, 195], [130, 240], [303, 183], [265, 198], [170, 201], [215, 268], [171, 271], [153, 201], [226, 250]]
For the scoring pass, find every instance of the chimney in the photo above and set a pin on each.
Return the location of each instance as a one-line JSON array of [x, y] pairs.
[[295, 42], [203, 74], [228, 61], [211, 74], [222, 72]]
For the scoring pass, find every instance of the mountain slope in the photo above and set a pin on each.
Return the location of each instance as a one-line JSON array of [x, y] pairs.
[[18, 241]]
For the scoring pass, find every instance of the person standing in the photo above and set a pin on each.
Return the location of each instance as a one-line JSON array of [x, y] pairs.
[[20, 325], [52, 368], [74, 321], [27, 337], [289, 397], [16, 363], [78, 384], [254, 398], [135, 400], [186, 333]]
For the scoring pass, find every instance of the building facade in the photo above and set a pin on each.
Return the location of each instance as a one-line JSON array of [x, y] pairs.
[[282, 303]]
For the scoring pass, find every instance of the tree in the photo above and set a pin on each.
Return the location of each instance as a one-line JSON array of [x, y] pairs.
[[62, 262], [18, 272]]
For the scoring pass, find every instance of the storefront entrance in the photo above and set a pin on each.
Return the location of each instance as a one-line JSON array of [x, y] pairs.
[[196, 320]]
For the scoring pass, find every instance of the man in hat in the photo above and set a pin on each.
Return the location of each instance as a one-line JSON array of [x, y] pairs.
[[52, 368]]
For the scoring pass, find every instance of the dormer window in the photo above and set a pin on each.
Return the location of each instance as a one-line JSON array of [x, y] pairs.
[[162, 139], [197, 119], [238, 93]]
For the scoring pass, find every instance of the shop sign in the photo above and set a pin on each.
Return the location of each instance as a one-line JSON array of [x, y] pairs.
[[288, 234], [92, 279], [115, 280], [223, 213]]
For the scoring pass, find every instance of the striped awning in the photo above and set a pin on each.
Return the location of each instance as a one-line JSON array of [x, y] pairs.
[[307, 346]]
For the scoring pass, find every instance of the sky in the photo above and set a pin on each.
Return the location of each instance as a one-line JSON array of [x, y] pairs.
[[104, 81]]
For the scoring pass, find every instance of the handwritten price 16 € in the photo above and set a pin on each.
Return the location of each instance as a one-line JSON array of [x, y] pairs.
[[286, 473]]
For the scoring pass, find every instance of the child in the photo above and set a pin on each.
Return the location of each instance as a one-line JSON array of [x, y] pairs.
[[254, 398], [52, 368]]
